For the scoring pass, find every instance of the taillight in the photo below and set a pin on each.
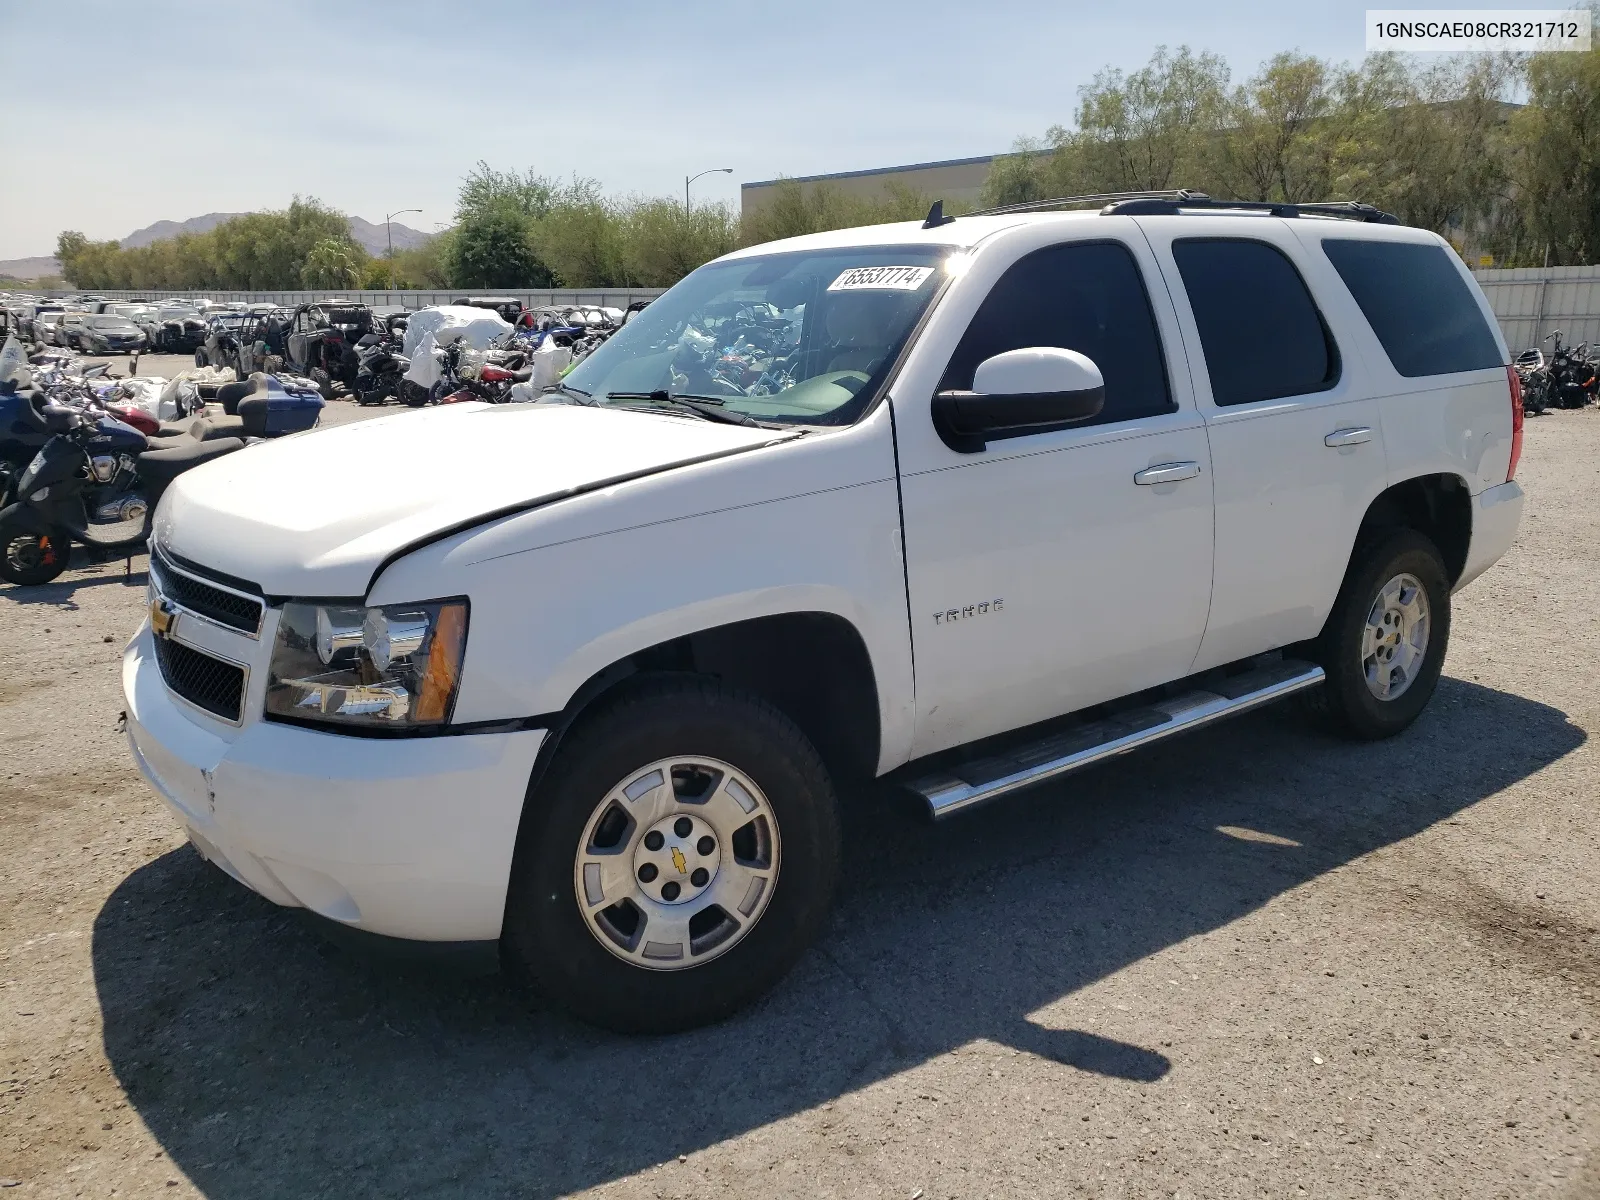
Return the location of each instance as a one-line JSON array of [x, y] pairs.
[[1516, 422]]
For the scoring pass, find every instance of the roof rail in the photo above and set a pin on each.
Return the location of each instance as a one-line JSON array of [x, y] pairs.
[[1350, 210], [1175, 200], [1064, 201]]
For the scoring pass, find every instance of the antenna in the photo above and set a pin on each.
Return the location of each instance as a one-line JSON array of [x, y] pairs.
[[936, 216]]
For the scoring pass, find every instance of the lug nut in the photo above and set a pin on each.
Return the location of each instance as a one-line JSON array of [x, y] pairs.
[[653, 840], [647, 873], [669, 890], [683, 827], [706, 845], [700, 877]]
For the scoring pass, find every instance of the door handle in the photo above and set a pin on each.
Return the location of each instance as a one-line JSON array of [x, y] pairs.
[[1348, 437], [1166, 473]]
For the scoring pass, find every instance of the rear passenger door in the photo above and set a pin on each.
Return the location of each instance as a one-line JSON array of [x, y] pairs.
[[1296, 436]]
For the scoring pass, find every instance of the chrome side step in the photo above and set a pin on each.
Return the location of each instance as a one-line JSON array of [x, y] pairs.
[[983, 779]]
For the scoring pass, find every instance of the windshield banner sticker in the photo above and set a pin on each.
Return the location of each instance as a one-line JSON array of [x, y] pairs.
[[893, 279]]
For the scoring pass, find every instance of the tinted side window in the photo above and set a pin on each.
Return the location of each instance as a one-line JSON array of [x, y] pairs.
[[1417, 303], [1261, 332], [1085, 296]]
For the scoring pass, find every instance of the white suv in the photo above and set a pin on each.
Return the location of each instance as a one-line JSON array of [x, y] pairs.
[[970, 503]]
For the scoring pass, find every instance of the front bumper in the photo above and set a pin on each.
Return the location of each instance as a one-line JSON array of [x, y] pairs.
[[404, 837]]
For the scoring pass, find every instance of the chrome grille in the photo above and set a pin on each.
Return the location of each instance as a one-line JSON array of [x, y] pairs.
[[204, 599], [205, 682]]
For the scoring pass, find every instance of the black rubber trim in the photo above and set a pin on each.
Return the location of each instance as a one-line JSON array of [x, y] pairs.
[[459, 959], [464, 729], [511, 510]]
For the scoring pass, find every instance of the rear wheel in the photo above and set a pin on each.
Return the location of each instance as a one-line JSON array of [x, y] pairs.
[[1384, 643], [29, 559], [679, 856], [200, 358]]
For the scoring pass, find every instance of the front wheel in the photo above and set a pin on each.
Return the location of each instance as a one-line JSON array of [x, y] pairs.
[[677, 859], [29, 559], [1384, 643]]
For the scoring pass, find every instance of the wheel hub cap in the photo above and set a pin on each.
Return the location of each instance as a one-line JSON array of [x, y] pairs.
[[677, 859], [677, 863], [1394, 643]]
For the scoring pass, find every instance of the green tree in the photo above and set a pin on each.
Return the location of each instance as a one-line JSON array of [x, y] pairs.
[[1555, 157], [492, 244], [331, 264], [1146, 131]]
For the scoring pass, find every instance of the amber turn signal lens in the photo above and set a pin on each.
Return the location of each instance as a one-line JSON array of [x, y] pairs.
[[444, 663]]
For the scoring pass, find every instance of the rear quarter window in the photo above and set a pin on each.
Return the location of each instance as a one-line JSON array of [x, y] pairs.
[[1422, 310]]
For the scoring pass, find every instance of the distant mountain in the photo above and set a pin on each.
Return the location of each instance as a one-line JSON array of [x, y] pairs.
[[30, 268], [169, 229], [372, 236], [365, 232]]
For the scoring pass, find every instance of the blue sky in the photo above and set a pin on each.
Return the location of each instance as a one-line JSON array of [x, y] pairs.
[[120, 114]]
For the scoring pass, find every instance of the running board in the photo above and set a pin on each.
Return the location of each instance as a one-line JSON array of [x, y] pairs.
[[983, 779]]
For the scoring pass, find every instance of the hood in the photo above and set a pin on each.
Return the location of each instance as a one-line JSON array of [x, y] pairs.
[[317, 514]]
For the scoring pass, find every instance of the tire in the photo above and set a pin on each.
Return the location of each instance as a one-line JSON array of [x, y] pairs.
[[413, 395], [199, 358], [27, 559], [323, 381], [718, 737], [1391, 579]]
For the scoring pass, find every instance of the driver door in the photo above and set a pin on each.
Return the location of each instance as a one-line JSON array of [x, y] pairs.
[[1056, 570]]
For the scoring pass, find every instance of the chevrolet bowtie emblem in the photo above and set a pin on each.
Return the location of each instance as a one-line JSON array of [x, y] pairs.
[[679, 861], [161, 617]]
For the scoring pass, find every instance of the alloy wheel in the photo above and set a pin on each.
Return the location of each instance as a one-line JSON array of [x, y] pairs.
[[677, 863], [1394, 643]]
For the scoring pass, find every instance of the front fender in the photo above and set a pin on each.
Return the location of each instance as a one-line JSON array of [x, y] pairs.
[[544, 621], [25, 516]]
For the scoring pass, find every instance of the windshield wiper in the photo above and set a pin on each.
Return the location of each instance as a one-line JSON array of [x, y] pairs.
[[577, 396], [707, 407]]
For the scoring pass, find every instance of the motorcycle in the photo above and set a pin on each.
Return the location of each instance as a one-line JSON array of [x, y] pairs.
[[96, 480], [1535, 376], [380, 369], [1571, 375]]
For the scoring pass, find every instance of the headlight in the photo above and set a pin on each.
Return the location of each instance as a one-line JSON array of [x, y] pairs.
[[395, 667]]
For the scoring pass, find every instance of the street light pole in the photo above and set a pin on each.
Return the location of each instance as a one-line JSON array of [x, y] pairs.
[[688, 179], [389, 233]]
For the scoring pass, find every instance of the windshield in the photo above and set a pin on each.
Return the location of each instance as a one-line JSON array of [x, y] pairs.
[[802, 338], [111, 322]]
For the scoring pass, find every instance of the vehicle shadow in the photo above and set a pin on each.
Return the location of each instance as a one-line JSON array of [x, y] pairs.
[[60, 593], [269, 1063]]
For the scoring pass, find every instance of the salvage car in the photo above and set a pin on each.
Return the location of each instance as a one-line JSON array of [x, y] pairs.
[[45, 322], [965, 505], [176, 329], [110, 334]]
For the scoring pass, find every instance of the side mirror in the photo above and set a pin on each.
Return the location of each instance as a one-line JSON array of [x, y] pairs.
[[1036, 390]]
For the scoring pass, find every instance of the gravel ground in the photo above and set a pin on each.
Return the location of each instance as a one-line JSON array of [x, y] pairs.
[[1255, 962]]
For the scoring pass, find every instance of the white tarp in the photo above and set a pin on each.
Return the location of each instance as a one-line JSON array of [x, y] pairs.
[[424, 370], [449, 322], [14, 363]]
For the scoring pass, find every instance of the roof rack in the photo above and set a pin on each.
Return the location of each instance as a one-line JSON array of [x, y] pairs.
[[1064, 201], [1167, 203]]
